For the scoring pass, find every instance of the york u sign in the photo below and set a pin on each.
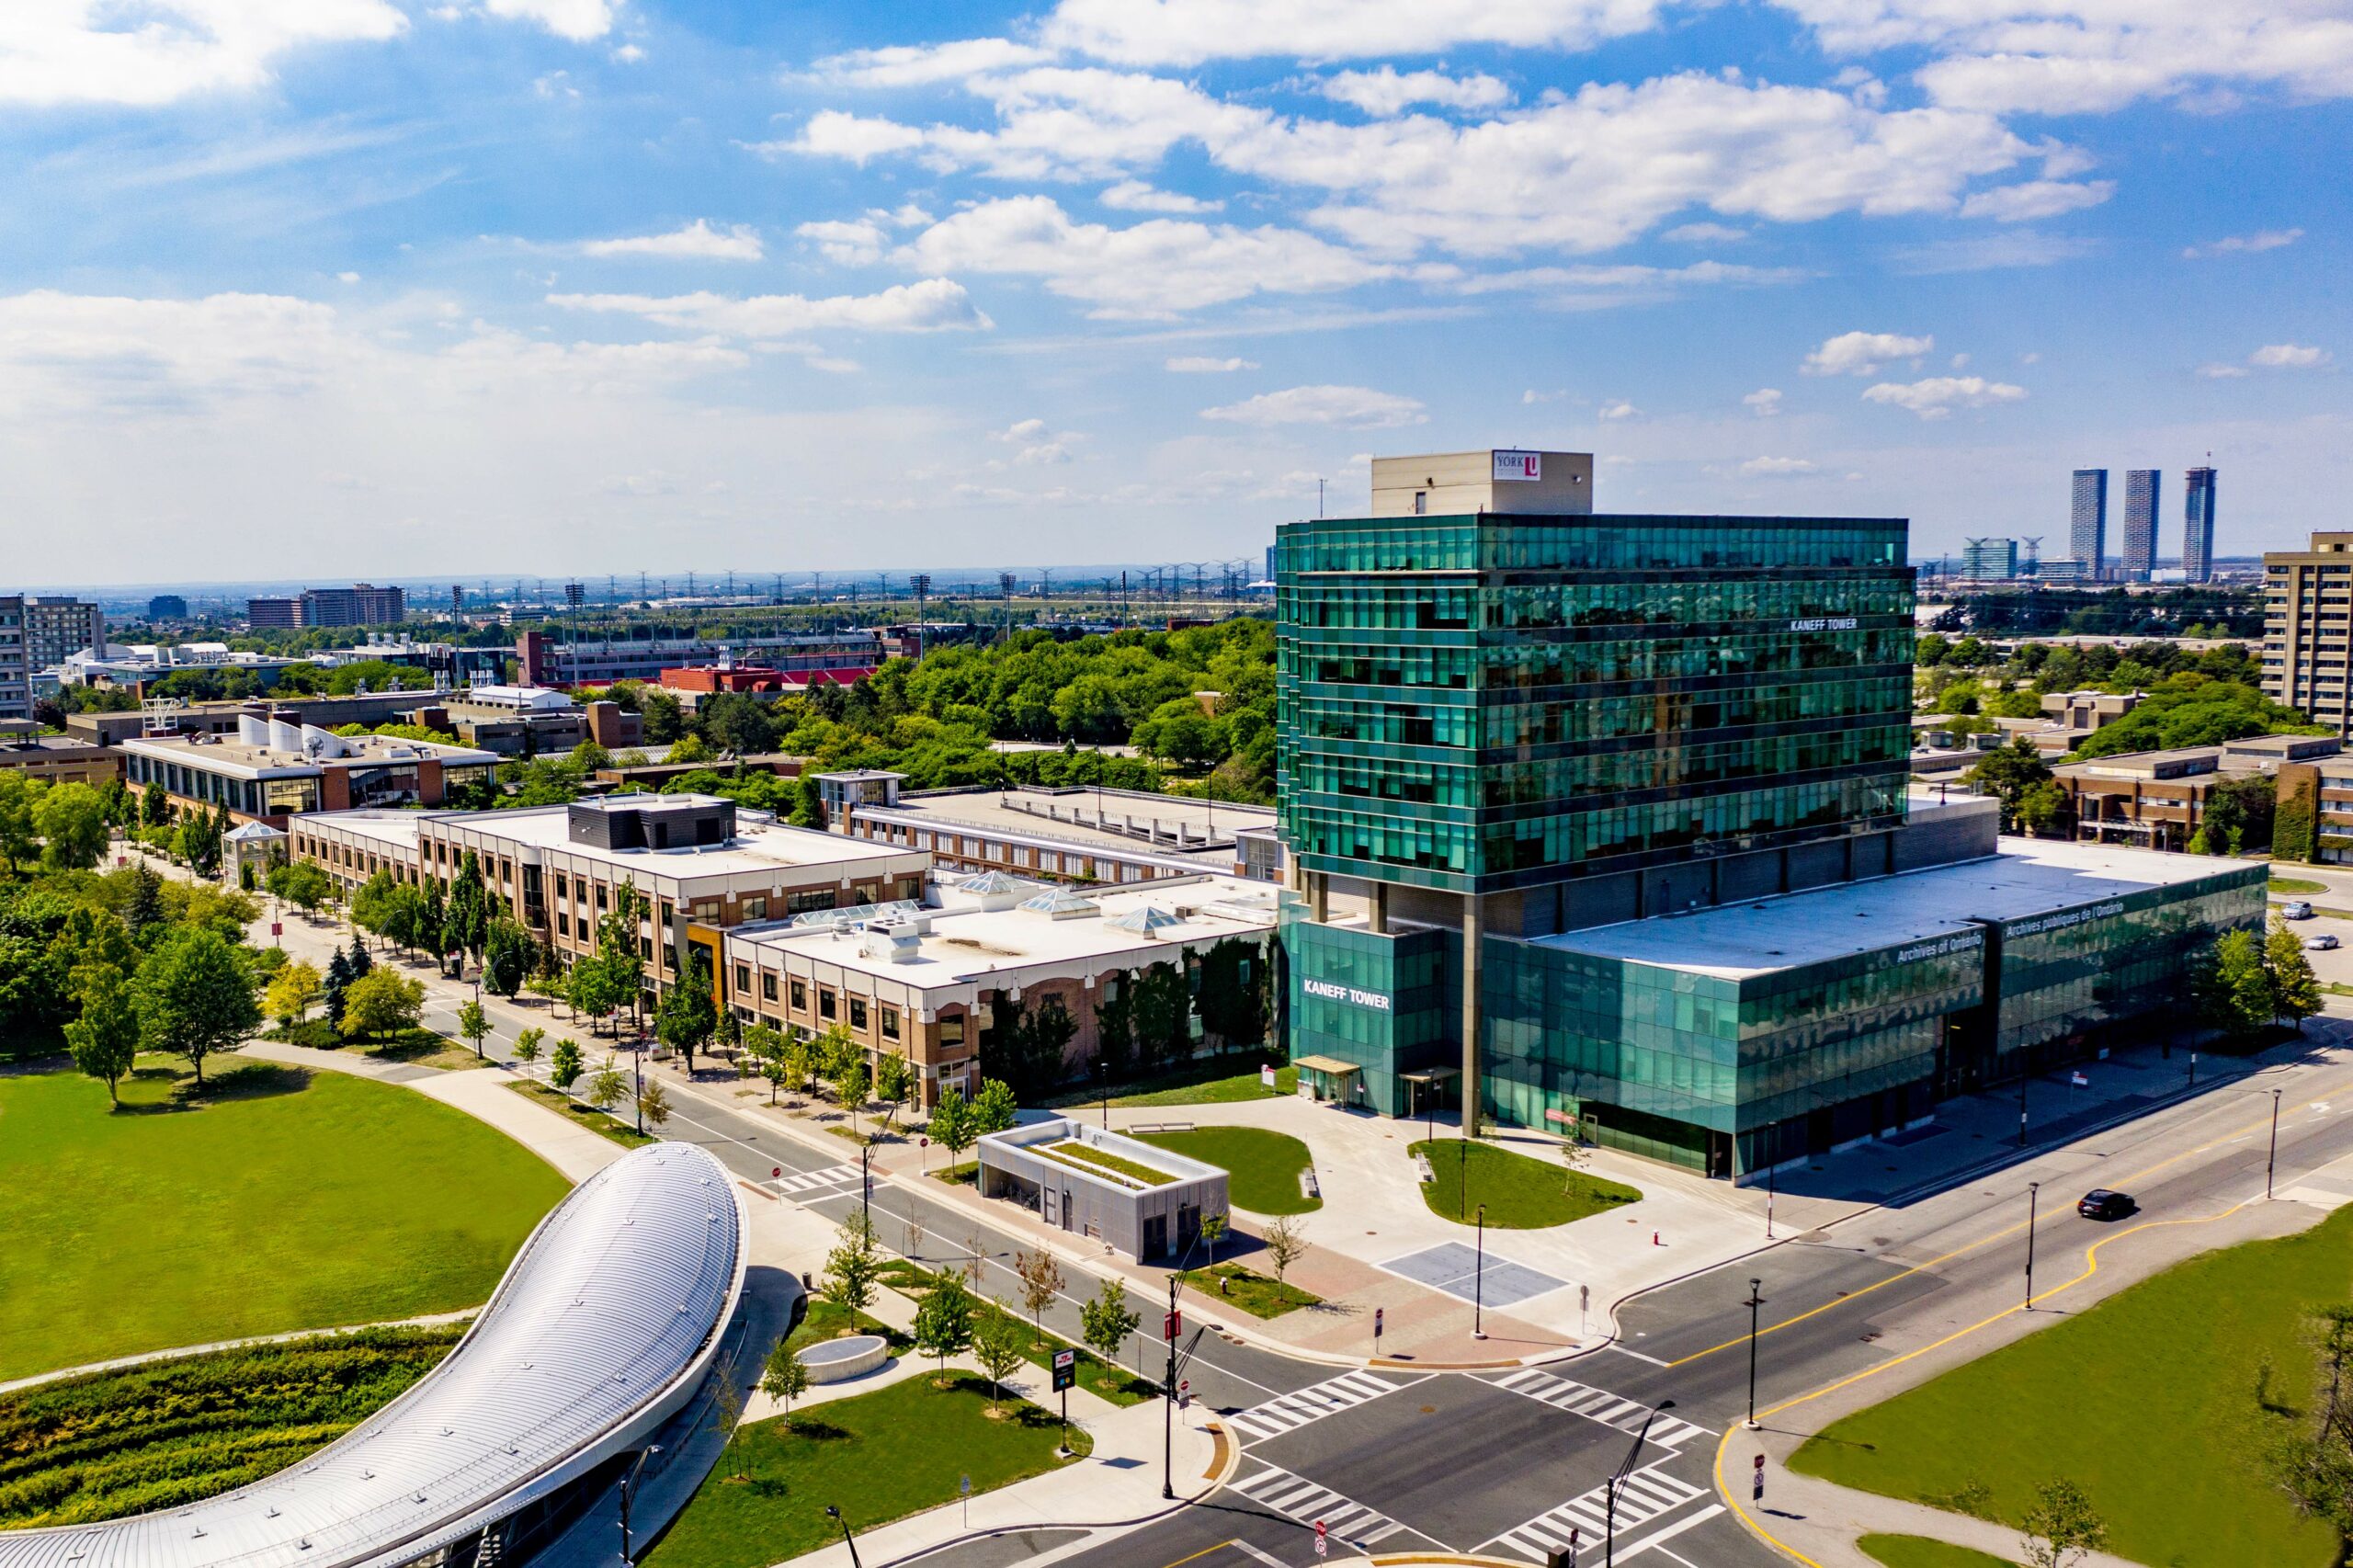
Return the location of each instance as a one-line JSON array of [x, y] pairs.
[[1348, 994]]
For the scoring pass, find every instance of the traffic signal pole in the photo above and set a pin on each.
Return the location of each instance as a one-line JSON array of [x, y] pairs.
[[1168, 1412]]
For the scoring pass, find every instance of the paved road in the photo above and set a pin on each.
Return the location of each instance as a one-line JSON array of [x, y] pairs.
[[1508, 1463]]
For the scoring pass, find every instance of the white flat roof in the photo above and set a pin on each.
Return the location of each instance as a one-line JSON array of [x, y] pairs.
[[223, 754], [759, 845], [394, 830], [1760, 935], [966, 942], [1000, 812]]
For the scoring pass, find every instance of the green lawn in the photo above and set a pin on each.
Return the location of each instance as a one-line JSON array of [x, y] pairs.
[[1208, 1083], [2296, 885], [2151, 1401], [1098, 1377], [166, 1434], [278, 1200], [1918, 1552], [1263, 1167], [587, 1116], [1255, 1293], [1521, 1193], [878, 1456]]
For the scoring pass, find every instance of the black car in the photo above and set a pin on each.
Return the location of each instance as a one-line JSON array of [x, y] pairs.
[[2099, 1203]]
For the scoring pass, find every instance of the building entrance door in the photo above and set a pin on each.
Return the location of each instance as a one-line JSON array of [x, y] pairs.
[[1048, 1210]]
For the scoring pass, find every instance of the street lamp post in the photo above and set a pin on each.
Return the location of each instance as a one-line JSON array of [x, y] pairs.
[[2034, 1191], [866, 1185], [2271, 1162], [1617, 1483], [637, 1071], [1168, 1410], [835, 1515], [629, 1492], [1479, 1282], [1755, 1303]]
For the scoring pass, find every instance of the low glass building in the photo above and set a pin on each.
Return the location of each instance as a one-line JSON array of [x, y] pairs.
[[1747, 1034]]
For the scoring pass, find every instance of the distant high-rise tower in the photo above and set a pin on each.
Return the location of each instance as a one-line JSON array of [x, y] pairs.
[[2088, 524], [2198, 526], [2141, 487]]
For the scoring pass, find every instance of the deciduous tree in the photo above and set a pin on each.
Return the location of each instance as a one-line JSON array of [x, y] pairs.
[[194, 997], [72, 818], [1286, 1242], [687, 1016], [473, 1023], [2061, 1526], [290, 991], [1104, 1321], [1041, 1281], [996, 1344], [380, 1003], [786, 1378], [943, 1325], [105, 1036]]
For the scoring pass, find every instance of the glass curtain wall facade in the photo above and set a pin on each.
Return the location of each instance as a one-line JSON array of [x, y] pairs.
[[1475, 704], [1731, 1074]]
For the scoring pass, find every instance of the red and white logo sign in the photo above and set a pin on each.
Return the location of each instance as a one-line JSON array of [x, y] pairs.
[[1519, 466]]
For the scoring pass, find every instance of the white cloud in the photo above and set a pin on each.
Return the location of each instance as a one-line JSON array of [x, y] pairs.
[[554, 84], [1938, 396], [697, 241], [935, 304], [1596, 288], [2220, 372], [1384, 92], [1533, 396], [2085, 56], [1203, 365], [918, 65], [1862, 353], [347, 277], [1621, 409], [1134, 196], [1347, 408], [628, 54], [833, 133], [2289, 357], [1151, 269], [2037, 198], [857, 242], [1775, 468], [2021, 247], [1764, 402], [2261, 240], [906, 215], [1704, 234], [1635, 155], [578, 20], [1188, 32], [1034, 445], [64, 52]]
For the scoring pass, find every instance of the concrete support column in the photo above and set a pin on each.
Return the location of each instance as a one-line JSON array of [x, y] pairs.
[[1319, 897], [1470, 1094], [1380, 913]]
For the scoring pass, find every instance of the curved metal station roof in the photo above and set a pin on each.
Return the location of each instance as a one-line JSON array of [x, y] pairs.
[[611, 1313]]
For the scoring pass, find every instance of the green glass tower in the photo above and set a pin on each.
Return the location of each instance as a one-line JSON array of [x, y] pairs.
[[1600, 821]]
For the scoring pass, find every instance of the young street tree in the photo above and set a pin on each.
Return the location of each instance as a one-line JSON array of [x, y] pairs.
[[951, 1124], [654, 1103], [996, 1344], [727, 1410], [944, 1322], [893, 1080], [105, 1036], [786, 1378], [564, 1064], [993, 1107], [854, 1266], [1213, 1225], [687, 1016], [2295, 988], [2062, 1528], [527, 1044], [506, 954], [1041, 1281], [609, 1086], [475, 1024], [1104, 1321], [1286, 1242]]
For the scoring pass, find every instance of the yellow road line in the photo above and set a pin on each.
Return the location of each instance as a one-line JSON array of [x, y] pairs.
[[2004, 1233], [1204, 1551], [2091, 1267]]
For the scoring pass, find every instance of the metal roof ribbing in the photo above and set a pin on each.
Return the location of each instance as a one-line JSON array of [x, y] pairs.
[[614, 1297]]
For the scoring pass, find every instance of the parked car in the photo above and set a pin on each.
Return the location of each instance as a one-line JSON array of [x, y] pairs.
[[2323, 943], [2295, 909], [2100, 1203]]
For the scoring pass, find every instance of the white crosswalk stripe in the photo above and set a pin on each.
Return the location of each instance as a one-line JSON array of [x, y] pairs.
[[1625, 1415], [1293, 1410], [808, 1181], [1352, 1524], [1647, 1495]]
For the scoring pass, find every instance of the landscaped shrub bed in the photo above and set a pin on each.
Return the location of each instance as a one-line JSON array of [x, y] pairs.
[[166, 1434]]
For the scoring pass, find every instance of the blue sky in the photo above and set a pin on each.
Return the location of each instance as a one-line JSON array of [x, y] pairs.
[[349, 287]]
